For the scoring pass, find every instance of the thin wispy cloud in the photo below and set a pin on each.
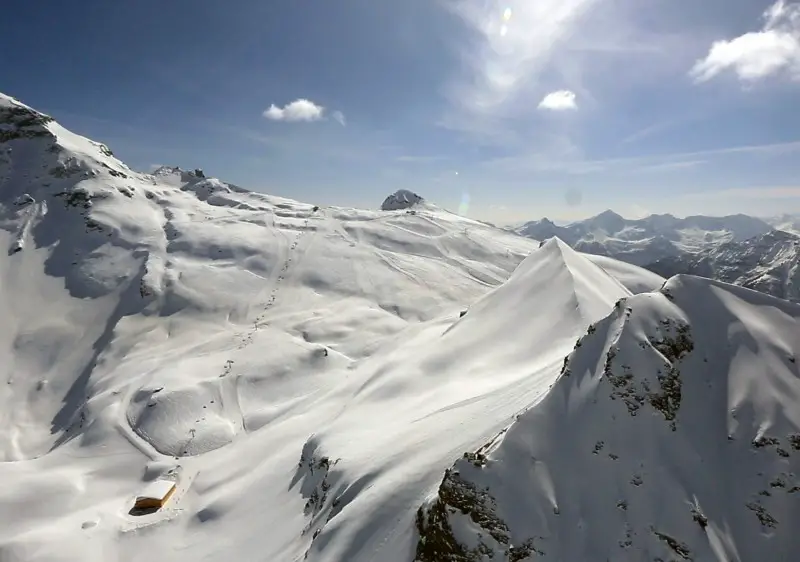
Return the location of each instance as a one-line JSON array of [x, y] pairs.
[[338, 116], [419, 159], [767, 192], [774, 49], [529, 163], [560, 100], [514, 41], [669, 166]]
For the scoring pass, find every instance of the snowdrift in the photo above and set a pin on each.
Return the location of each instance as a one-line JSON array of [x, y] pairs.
[[673, 433]]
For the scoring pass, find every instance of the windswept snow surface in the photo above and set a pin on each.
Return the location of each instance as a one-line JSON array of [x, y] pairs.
[[672, 434], [635, 278], [308, 367]]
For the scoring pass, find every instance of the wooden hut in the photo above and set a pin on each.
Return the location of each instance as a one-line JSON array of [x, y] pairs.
[[155, 495]]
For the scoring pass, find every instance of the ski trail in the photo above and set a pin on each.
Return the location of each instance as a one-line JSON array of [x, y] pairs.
[[277, 280], [229, 401], [28, 217], [363, 279], [264, 300]]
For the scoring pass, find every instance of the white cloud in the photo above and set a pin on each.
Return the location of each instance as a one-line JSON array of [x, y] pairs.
[[515, 42], [298, 110], [559, 101], [755, 55]]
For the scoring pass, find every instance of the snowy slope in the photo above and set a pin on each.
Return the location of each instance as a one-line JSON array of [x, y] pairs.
[[308, 367], [672, 434], [769, 263], [636, 279], [452, 384], [646, 240]]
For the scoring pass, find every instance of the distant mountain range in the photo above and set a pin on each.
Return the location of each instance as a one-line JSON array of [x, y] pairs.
[[644, 241], [766, 263], [760, 254]]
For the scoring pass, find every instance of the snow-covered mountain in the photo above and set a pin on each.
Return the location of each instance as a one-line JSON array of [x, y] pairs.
[[308, 367], [644, 241], [315, 371], [769, 263], [671, 434]]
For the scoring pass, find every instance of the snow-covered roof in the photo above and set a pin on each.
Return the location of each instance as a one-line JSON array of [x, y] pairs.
[[158, 489]]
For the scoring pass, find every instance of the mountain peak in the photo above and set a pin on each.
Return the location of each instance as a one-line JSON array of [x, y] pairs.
[[646, 388], [608, 221], [566, 275], [609, 214], [401, 199], [555, 245], [17, 120]]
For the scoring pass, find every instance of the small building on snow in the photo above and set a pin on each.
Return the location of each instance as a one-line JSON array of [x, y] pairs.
[[156, 494]]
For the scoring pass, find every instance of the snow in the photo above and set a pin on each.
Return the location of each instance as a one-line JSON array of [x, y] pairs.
[[157, 489], [769, 263], [636, 279], [314, 370], [672, 433]]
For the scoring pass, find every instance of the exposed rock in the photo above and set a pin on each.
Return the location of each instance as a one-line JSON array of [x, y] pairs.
[[402, 199]]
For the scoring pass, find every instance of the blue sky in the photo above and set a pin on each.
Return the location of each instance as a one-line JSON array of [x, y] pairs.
[[507, 110]]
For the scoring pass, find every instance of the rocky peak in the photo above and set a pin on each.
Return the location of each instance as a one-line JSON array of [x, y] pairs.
[[402, 199], [20, 121]]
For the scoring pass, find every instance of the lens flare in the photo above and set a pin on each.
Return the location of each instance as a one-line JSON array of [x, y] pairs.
[[463, 207], [507, 13]]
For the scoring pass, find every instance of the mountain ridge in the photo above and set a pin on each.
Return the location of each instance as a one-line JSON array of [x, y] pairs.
[[648, 239], [768, 263], [635, 396]]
